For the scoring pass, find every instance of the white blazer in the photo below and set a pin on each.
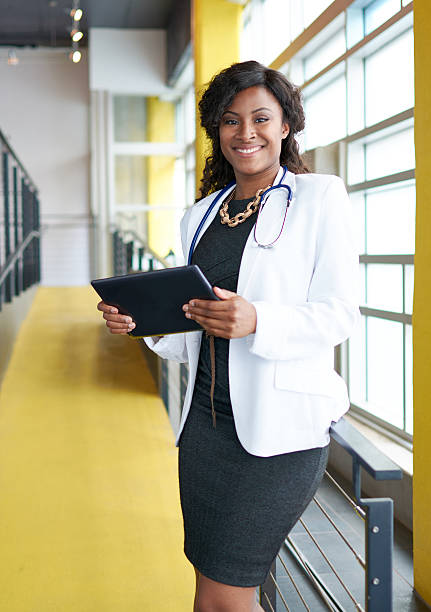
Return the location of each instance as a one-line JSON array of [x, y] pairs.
[[284, 390]]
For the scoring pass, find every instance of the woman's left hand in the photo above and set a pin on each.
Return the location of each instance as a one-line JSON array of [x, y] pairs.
[[230, 317]]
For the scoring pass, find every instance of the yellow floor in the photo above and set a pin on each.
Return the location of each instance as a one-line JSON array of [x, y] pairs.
[[89, 507]]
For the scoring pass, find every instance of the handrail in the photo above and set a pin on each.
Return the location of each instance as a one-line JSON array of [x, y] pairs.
[[143, 243], [378, 516], [20, 226], [13, 258], [378, 465], [14, 155], [131, 253]]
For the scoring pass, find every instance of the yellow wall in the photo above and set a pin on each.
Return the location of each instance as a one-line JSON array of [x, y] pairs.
[[160, 174], [216, 39], [422, 306]]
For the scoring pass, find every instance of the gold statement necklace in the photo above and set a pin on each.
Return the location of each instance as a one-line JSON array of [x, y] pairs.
[[245, 214]]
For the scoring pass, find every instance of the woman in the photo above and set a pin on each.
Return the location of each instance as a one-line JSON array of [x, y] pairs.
[[262, 392]]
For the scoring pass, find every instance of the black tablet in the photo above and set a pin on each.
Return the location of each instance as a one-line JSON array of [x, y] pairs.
[[154, 299]]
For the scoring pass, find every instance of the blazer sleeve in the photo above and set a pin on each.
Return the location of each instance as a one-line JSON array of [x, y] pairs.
[[172, 346], [331, 311]]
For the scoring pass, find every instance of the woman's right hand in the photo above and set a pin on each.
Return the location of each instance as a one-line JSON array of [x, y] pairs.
[[116, 323]]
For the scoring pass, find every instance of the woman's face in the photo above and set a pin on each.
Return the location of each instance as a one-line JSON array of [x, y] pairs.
[[251, 130]]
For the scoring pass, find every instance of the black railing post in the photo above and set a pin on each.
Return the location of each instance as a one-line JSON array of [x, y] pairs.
[[129, 256], [18, 277], [25, 230], [141, 252], [6, 221], [379, 538], [37, 240]]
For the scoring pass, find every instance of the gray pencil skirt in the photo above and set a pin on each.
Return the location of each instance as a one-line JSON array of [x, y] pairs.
[[237, 507]]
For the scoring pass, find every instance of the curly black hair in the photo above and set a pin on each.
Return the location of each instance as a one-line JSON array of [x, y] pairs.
[[219, 95]]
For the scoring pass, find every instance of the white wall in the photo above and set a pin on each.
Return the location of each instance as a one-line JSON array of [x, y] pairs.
[[44, 107], [128, 61]]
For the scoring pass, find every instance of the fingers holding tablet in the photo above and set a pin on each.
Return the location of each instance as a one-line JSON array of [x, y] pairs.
[[116, 323]]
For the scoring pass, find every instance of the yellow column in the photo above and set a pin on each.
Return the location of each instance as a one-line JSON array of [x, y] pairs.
[[216, 28], [160, 175], [422, 304]]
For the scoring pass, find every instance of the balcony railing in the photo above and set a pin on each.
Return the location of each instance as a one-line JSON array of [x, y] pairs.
[[19, 226]]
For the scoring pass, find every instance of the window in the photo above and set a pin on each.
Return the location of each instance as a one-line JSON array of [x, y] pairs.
[[378, 12], [325, 113], [359, 115], [389, 79]]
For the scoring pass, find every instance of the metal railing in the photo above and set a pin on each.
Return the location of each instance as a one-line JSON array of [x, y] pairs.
[[131, 254], [19, 226], [377, 515]]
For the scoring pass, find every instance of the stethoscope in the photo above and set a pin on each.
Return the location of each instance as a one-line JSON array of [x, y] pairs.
[[264, 198]]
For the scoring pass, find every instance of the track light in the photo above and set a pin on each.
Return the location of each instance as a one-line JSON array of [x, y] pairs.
[[75, 33], [12, 58], [75, 56]]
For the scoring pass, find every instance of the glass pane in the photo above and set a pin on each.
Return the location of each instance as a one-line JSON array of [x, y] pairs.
[[409, 285], [391, 154], [312, 9], [389, 79], [409, 380], [358, 203], [385, 287], [277, 36], [130, 179], [325, 54], [378, 12], [130, 118], [357, 374], [325, 114], [391, 220], [385, 370]]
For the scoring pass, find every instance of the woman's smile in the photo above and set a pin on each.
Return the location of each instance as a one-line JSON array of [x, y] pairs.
[[247, 151]]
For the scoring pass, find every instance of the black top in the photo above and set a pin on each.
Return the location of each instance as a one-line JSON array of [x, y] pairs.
[[218, 254]]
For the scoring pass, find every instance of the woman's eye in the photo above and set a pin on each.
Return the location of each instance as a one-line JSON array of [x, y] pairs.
[[230, 122], [261, 119]]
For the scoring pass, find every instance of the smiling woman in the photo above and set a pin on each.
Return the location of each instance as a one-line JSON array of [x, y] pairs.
[[262, 392], [270, 100], [251, 131]]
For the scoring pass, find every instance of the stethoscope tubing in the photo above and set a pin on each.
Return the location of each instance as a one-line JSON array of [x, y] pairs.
[[263, 200]]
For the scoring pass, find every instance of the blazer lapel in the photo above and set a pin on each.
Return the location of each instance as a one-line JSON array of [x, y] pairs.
[[197, 214], [268, 226]]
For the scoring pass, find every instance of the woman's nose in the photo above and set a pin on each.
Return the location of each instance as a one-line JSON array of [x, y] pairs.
[[246, 130]]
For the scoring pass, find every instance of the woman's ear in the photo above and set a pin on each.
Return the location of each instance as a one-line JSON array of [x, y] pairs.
[[285, 130]]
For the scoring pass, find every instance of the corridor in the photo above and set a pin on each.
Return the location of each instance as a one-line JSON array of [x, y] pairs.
[[89, 513]]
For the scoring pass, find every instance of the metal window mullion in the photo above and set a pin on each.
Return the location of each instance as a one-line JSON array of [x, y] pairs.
[[388, 315], [383, 181], [387, 259], [404, 351]]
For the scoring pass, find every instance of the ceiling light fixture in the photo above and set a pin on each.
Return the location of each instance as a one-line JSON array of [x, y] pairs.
[[75, 33], [12, 58], [75, 56]]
